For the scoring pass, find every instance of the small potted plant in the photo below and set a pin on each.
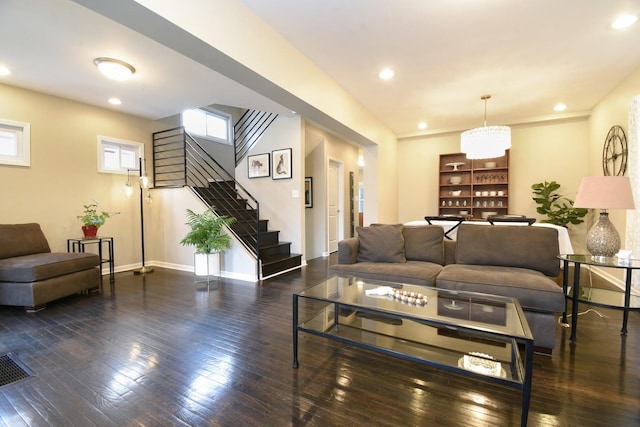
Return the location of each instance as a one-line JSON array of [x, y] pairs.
[[92, 220], [207, 235]]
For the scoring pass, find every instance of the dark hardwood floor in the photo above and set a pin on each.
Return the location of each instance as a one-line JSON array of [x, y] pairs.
[[159, 350]]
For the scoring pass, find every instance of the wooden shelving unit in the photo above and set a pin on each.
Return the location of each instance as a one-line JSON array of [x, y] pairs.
[[482, 190]]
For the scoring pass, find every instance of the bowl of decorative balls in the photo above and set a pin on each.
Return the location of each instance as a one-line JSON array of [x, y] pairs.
[[408, 297]]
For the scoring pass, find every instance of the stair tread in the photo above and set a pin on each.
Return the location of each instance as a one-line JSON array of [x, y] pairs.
[[278, 257]]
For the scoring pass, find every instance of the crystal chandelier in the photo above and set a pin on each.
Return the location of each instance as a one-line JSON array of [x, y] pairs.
[[486, 142]]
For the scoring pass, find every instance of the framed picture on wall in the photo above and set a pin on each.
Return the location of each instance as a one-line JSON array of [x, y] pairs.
[[259, 165], [308, 192], [281, 166]]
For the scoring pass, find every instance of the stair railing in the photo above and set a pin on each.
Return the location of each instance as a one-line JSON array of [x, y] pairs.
[[248, 130], [179, 160]]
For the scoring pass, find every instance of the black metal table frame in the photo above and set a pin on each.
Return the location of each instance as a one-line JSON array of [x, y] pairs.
[[78, 245], [454, 218], [575, 296], [525, 386]]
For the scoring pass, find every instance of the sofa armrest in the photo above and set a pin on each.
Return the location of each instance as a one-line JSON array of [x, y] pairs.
[[348, 250]]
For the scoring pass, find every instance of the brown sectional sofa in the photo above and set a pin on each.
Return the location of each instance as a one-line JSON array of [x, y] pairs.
[[31, 275], [513, 261]]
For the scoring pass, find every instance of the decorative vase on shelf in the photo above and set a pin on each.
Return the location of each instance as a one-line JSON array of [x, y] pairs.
[[89, 231]]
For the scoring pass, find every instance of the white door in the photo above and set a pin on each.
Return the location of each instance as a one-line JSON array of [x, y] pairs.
[[334, 206]]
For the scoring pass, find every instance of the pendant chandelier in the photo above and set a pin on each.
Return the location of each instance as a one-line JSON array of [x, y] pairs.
[[485, 142]]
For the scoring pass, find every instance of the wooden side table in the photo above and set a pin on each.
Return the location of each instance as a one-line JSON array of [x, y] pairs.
[[78, 245]]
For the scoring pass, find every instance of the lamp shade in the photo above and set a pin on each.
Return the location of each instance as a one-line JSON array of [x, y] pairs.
[[605, 192], [485, 142]]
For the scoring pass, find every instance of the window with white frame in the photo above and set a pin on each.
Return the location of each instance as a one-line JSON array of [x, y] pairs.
[[117, 155], [15, 143], [210, 124]]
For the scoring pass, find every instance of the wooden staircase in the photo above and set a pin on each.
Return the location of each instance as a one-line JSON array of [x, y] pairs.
[[274, 256]]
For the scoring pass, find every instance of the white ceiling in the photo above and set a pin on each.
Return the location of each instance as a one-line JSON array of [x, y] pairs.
[[50, 45], [528, 54]]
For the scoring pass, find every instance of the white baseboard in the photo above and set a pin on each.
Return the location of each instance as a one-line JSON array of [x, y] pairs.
[[179, 267]]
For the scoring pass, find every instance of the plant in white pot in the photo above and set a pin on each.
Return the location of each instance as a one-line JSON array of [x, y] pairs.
[[208, 236]]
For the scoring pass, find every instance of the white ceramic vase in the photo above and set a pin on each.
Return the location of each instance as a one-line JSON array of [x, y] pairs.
[[207, 264]]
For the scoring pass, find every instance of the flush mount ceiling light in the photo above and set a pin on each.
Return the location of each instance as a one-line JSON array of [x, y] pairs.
[[386, 74], [114, 68], [422, 125], [623, 21], [485, 142], [559, 107], [4, 71]]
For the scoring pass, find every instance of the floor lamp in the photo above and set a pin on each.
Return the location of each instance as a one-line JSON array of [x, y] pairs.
[[144, 185]]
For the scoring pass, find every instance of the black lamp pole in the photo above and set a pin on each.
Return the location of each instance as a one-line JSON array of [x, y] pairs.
[[143, 269]]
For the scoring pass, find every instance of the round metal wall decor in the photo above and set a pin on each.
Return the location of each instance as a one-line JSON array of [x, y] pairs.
[[615, 152]]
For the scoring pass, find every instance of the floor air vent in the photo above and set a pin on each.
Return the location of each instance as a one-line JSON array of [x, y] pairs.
[[11, 370]]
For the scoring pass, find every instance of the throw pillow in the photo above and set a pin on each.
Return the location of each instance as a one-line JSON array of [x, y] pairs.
[[382, 243], [424, 243]]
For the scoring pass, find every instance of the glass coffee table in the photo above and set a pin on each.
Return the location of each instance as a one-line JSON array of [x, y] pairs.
[[479, 335]]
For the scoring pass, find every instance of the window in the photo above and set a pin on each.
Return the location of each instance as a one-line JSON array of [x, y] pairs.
[[15, 143], [209, 124], [116, 155]]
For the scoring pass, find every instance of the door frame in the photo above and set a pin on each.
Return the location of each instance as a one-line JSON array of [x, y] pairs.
[[340, 202]]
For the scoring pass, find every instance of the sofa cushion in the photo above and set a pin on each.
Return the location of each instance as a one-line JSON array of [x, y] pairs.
[[411, 272], [22, 239], [534, 290], [424, 243], [382, 243], [32, 268], [529, 247]]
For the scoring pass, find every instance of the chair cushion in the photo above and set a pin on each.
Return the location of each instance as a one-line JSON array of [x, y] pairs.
[[533, 289], [381, 243], [424, 243], [32, 268], [22, 239]]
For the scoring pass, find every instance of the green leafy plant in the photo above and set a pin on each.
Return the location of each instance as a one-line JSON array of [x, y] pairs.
[[207, 231], [558, 209], [92, 217]]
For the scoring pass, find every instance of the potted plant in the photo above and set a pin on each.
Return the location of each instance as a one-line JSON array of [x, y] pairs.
[[558, 209], [207, 235], [92, 220]]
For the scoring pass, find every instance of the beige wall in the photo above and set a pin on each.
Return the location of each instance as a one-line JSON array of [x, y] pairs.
[[63, 174], [277, 201], [612, 110], [322, 146], [550, 151]]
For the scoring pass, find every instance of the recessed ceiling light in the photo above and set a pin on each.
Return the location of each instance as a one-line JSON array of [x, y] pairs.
[[114, 101], [560, 107], [114, 68], [386, 74], [4, 71], [623, 21], [422, 125]]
